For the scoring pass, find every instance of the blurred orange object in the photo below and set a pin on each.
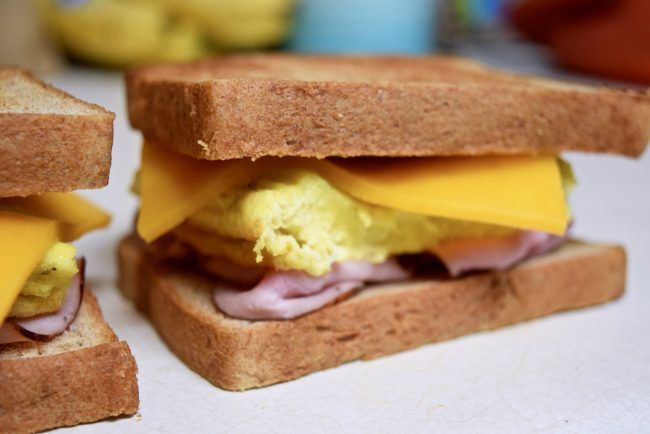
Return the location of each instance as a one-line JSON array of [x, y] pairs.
[[605, 37]]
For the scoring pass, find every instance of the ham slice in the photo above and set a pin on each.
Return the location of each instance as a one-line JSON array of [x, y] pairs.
[[288, 294], [45, 327], [495, 253]]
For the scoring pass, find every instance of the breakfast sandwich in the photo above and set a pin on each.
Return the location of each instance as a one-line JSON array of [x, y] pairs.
[[60, 362], [299, 212]]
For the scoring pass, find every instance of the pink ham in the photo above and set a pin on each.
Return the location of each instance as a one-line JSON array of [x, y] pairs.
[[288, 294], [46, 326], [495, 253]]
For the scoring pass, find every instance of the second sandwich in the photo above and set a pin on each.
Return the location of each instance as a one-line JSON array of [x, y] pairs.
[[60, 362]]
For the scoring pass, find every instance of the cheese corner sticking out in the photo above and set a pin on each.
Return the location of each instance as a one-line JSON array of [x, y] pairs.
[[514, 191], [24, 242], [74, 214], [174, 186]]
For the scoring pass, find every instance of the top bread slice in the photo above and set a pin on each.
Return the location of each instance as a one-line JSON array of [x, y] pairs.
[[50, 140], [249, 106]]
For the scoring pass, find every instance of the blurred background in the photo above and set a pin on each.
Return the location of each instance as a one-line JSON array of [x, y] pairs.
[[607, 38]]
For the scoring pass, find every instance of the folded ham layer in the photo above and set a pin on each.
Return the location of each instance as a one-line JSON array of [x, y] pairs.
[[495, 253], [289, 294], [46, 326]]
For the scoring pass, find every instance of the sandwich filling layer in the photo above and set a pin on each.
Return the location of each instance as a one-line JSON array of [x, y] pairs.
[[287, 236], [44, 327], [38, 264], [319, 244]]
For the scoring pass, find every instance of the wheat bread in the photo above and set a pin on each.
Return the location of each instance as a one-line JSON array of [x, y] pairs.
[[50, 141], [234, 354], [249, 106], [83, 375]]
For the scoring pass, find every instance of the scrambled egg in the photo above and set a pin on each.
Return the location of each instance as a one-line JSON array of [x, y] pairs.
[[297, 220], [46, 287]]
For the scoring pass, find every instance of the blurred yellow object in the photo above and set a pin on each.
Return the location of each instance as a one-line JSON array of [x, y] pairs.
[[122, 32], [252, 32], [233, 24]]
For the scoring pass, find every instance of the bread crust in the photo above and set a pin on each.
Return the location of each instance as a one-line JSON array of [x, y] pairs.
[[46, 150], [318, 106], [69, 380], [237, 354]]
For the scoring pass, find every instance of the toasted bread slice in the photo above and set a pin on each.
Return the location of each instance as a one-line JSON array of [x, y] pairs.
[[84, 375], [50, 141], [283, 105], [235, 354]]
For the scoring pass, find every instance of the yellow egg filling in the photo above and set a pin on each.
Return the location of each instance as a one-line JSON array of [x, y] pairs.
[[47, 286]]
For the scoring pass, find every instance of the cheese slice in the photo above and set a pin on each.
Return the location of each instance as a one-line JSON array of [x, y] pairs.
[[523, 192], [174, 186], [74, 214], [516, 191], [24, 242]]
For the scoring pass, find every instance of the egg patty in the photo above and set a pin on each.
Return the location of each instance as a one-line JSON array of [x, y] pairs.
[[46, 287]]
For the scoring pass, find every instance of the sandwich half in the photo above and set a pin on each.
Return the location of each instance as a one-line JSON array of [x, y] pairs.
[[60, 362], [299, 212]]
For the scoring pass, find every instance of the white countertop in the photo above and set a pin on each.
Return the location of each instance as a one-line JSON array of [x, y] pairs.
[[581, 371]]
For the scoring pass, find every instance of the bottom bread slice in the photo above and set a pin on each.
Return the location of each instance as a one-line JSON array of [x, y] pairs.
[[83, 375], [238, 354]]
